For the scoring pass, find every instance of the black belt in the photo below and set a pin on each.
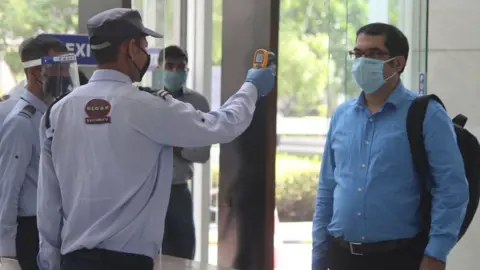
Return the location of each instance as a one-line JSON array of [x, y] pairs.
[[361, 249], [109, 257]]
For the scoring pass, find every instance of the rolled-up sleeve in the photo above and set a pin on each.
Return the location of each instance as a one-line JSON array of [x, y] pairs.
[[450, 187], [49, 211], [324, 206], [16, 146]]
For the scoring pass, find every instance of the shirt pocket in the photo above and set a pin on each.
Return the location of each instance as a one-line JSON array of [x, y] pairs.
[[391, 150], [345, 143]]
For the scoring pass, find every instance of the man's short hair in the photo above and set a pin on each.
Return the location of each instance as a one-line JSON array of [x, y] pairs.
[[109, 54], [395, 41], [172, 51], [39, 46]]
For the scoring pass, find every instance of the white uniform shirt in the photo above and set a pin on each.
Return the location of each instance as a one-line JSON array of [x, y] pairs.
[[107, 185]]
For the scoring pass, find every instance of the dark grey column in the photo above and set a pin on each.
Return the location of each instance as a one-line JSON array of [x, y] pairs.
[[247, 165]]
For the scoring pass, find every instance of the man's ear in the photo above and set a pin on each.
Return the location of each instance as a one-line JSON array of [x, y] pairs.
[[401, 63], [131, 47]]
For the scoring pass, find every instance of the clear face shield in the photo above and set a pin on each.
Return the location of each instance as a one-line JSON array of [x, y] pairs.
[[59, 74]]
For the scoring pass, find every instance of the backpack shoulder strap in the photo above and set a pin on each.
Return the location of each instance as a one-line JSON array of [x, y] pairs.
[[460, 120], [415, 117]]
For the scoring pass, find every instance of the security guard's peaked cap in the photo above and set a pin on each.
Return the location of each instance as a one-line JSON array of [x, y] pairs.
[[116, 25]]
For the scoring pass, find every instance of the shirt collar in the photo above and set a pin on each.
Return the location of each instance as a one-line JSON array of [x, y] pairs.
[[110, 75], [396, 97], [34, 101]]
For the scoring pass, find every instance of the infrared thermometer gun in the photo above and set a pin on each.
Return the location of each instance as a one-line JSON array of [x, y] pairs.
[[263, 59]]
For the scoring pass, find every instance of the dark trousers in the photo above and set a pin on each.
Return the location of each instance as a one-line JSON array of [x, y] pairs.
[[179, 235], [27, 242], [101, 259], [405, 258]]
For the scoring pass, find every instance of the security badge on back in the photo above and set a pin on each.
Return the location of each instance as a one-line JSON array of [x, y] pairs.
[[97, 111]]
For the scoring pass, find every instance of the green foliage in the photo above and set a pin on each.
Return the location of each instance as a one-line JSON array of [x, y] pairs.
[[296, 186], [295, 195], [20, 19], [217, 32], [302, 62], [314, 39]]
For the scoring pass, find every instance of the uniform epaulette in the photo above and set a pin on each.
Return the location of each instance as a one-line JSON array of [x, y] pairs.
[[28, 111], [163, 94]]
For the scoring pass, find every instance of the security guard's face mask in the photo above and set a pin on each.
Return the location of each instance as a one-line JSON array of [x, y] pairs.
[[143, 69], [58, 75]]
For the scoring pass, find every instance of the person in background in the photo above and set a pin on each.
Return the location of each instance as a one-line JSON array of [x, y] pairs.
[[367, 213], [179, 235], [20, 153], [8, 101]]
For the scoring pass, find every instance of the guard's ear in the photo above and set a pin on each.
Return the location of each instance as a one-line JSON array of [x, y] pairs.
[[132, 47]]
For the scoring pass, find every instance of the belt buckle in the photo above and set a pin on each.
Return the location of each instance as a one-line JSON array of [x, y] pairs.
[[352, 249]]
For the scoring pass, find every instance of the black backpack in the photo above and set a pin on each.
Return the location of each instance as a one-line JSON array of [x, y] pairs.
[[469, 147]]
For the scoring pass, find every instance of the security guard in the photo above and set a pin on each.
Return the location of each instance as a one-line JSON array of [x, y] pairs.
[[106, 165], [20, 152]]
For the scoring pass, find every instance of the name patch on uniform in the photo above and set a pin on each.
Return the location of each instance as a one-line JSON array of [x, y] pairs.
[[97, 112]]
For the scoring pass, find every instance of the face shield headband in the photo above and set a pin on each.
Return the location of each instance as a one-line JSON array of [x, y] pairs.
[[59, 74]]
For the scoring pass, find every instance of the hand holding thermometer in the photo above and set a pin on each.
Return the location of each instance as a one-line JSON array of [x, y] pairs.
[[263, 73], [263, 59]]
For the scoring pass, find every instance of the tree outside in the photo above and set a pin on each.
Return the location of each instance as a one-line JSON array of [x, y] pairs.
[[20, 19], [314, 38], [314, 69]]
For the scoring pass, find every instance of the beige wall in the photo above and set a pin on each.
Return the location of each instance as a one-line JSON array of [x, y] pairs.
[[454, 75], [453, 57]]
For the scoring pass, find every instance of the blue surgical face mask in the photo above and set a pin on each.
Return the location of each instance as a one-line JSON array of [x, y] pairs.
[[174, 80], [368, 73], [157, 79]]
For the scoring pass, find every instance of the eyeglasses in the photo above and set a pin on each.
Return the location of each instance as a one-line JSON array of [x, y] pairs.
[[176, 66], [375, 54]]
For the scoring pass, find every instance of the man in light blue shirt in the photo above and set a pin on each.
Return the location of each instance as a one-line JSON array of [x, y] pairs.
[[106, 163], [20, 152], [367, 209]]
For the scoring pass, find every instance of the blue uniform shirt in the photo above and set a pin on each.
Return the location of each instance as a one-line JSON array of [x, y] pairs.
[[368, 189], [19, 161], [106, 163]]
